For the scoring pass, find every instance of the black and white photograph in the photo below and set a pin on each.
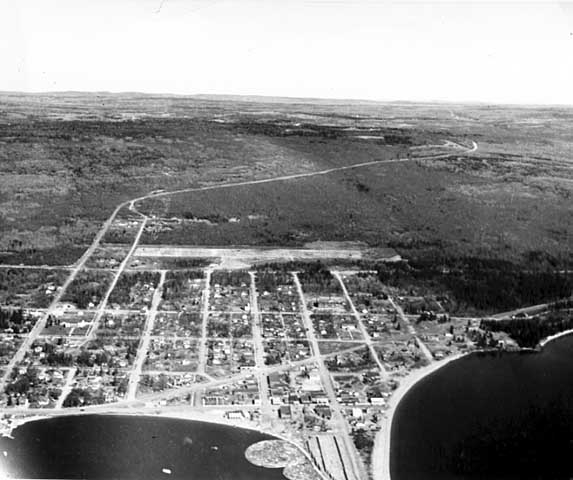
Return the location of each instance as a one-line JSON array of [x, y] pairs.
[[286, 240]]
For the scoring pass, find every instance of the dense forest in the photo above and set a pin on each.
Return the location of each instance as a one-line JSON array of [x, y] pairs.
[[316, 277], [32, 288], [527, 332], [478, 285], [269, 280], [183, 263], [177, 283], [127, 289], [230, 278], [483, 285]]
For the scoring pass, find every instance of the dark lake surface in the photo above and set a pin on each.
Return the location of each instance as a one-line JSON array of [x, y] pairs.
[[494, 416], [131, 447]]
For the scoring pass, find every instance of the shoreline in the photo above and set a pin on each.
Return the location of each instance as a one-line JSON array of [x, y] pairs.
[[184, 415], [381, 452], [199, 416], [555, 336]]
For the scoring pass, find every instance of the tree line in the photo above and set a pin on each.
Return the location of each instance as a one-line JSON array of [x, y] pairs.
[[483, 284], [528, 332]]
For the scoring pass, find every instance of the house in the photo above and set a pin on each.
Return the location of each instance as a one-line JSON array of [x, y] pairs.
[[319, 397], [285, 411], [43, 401], [293, 398], [235, 415], [276, 399], [357, 413], [305, 398], [347, 399]]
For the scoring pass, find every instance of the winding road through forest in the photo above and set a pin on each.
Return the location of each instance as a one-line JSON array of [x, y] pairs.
[[132, 206]]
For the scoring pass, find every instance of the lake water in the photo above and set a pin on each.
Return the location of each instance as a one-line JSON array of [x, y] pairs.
[[499, 416], [131, 447]]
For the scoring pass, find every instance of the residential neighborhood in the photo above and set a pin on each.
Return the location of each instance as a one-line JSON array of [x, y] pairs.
[[314, 354]]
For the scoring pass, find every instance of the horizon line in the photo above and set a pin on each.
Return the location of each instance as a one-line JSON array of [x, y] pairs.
[[286, 98]]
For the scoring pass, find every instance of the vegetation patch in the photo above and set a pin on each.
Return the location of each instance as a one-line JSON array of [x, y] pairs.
[[272, 454], [29, 288], [183, 289], [87, 289], [107, 257], [528, 332], [478, 285], [134, 290], [168, 263]]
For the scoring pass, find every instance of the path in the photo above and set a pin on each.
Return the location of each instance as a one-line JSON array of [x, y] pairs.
[[67, 388], [361, 326], [103, 304], [145, 340], [357, 472], [421, 345], [131, 204], [295, 176], [204, 322], [180, 391], [266, 410], [41, 323], [531, 310]]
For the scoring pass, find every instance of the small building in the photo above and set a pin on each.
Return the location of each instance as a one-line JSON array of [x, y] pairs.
[[357, 413], [319, 397], [347, 399], [285, 411], [235, 415]]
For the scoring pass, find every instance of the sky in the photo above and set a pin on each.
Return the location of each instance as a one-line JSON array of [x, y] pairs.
[[511, 52]]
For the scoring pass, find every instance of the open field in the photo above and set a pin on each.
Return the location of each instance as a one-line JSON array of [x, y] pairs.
[[245, 257]]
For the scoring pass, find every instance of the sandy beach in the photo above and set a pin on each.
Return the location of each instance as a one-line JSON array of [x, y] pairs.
[[381, 451], [183, 413], [546, 340]]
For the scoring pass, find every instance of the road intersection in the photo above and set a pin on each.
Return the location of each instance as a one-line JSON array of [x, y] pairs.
[[261, 370]]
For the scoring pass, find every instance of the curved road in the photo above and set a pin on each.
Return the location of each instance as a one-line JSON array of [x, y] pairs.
[[131, 204]]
